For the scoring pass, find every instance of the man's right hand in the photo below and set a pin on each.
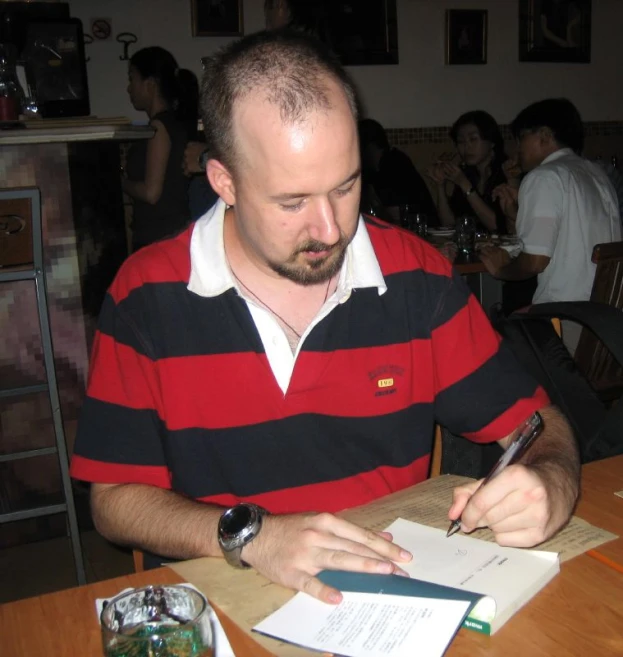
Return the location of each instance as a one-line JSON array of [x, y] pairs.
[[190, 161], [507, 195], [292, 549]]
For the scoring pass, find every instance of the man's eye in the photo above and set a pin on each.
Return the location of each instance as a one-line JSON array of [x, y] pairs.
[[345, 190], [288, 207]]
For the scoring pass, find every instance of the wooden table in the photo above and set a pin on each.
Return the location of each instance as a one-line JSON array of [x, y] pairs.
[[580, 613]]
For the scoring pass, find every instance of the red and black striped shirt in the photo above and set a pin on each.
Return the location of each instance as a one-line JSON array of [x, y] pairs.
[[181, 394]]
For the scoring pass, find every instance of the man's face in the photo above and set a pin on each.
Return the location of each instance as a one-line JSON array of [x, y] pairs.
[[532, 149], [297, 187]]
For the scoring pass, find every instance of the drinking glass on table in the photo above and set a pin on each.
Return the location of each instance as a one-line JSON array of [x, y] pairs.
[[465, 235], [158, 621], [413, 220]]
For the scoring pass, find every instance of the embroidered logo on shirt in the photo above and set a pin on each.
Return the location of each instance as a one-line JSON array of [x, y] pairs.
[[384, 379]]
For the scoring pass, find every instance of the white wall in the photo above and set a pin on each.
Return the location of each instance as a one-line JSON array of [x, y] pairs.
[[420, 91]]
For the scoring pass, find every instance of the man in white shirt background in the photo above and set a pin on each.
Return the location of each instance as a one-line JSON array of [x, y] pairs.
[[565, 206]]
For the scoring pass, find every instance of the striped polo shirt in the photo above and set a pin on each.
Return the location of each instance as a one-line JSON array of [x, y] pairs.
[[183, 395]]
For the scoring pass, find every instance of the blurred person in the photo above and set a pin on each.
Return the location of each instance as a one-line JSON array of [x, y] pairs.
[[391, 174], [155, 181], [467, 187], [563, 208]]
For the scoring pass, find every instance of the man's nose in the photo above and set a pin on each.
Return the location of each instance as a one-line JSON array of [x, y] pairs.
[[322, 224]]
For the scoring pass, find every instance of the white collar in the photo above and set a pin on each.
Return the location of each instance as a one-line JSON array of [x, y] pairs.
[[561, 152], [210, 274]]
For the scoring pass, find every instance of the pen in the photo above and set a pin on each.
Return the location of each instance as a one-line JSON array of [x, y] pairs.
[[524, 437]]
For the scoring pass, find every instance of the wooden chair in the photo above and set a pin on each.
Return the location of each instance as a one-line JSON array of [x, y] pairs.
[[435, 461], [593, 359], [139, 557]]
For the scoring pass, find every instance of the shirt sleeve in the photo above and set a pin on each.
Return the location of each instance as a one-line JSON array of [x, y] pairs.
[[481, 390], [119, 438], [540, 210]]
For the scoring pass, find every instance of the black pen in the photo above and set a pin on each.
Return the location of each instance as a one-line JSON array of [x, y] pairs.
[[524, 437]]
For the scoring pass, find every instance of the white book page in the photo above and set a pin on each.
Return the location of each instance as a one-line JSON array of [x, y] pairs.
[[368, 624], [470, 564]]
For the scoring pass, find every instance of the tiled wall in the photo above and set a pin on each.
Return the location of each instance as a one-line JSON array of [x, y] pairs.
[[437, 135]]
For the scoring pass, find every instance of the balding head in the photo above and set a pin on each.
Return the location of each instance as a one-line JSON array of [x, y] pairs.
[[291, 71]]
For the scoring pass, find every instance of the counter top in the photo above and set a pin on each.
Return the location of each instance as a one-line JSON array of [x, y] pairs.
[[75, 130]]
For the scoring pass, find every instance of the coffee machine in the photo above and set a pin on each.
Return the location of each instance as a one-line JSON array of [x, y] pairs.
[[49, 45]]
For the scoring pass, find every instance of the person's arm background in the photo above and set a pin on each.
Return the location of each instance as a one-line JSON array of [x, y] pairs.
[[149, 190]]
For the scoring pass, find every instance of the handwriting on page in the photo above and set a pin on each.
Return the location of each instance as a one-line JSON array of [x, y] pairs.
[[368, 625]]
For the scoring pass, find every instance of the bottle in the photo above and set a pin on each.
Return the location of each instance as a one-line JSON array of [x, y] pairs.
[[10, 91]]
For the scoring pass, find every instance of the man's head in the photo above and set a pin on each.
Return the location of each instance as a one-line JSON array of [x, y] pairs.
[[373, 143], [545, 127], [280, 120]]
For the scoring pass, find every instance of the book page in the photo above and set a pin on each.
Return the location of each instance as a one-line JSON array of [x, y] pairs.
[[428, 504], [368, 624], [505, 574]]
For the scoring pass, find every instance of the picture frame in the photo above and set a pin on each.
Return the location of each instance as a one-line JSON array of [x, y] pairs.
[[555, 31], [466, 36], [216, 18], [362, 33]]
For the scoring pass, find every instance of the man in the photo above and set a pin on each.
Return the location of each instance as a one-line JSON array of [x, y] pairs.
[[391, 174], [284, 353], [564, 207]]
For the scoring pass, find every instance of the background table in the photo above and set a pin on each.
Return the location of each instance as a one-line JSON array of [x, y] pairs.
[[579, 613]]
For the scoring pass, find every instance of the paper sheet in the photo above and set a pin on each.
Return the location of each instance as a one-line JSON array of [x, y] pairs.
[[369, 625]]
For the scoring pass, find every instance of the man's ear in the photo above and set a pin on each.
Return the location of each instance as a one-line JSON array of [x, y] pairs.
[[546, 135], [221, 181]]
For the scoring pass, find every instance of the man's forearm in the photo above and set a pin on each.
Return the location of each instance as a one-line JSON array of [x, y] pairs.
[[516, 270], [156, 520], [555, 457]]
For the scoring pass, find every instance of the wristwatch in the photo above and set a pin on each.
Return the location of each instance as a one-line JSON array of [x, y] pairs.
[[471, 190], [203, 158], [237, 527]]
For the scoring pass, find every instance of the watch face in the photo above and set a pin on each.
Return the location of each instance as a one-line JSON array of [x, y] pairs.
[[236, 519]]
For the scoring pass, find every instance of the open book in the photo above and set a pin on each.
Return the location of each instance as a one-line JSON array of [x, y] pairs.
[[492, 582], [507, 577]]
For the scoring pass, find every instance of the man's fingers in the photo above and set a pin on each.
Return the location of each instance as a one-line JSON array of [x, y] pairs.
[[314, 587], [343, 529], [460, 498]]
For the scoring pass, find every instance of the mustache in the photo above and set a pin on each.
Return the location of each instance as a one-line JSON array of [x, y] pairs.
[[314, 246]]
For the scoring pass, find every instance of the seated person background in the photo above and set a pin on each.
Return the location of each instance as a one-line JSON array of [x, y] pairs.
[[466, 186], [248, 359], [389, 176], [565, 205]]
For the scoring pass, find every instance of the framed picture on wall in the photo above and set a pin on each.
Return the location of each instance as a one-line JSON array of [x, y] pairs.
[[216, 17], [555, 31], [466, 36], [360, 32]]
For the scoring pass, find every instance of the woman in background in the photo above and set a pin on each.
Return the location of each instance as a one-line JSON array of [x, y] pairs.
[[155, 180], [467, 187]]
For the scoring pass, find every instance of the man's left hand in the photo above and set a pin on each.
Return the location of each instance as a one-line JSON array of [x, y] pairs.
[[518, 506], [494, 259]]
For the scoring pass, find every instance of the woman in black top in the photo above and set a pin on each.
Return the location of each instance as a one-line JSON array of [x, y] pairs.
[[466, 187], [155, 180]]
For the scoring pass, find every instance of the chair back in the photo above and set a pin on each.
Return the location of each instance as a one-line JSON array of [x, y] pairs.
[[593, 359]]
